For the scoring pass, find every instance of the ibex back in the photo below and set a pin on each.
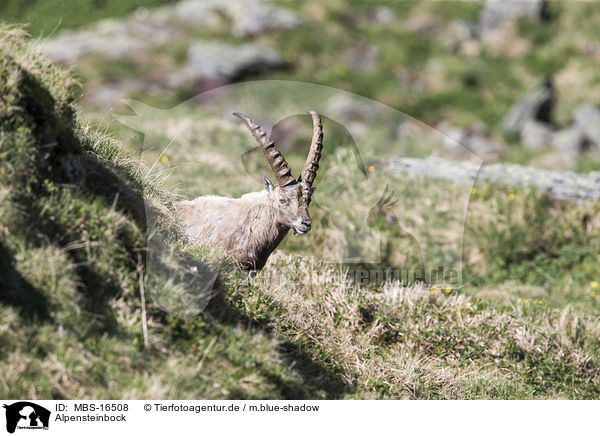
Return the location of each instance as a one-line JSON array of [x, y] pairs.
[[249, 228]]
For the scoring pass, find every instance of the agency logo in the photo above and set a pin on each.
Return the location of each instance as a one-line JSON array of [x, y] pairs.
[[27, 416]]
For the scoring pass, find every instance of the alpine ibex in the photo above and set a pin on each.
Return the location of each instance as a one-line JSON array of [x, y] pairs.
[[249, 228]]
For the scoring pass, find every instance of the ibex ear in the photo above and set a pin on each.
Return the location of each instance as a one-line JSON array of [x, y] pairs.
[[267, 184]]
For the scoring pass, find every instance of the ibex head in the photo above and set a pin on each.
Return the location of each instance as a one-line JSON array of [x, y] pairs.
[[291, 196]]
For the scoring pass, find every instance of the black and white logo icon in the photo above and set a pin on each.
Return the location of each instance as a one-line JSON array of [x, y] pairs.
[[26, 415]]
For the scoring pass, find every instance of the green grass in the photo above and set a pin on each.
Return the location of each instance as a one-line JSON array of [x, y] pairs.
[[71, 255], [44, 17], [415, 342], [522, 324]]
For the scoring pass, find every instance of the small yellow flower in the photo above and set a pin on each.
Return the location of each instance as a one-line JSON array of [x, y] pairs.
[[594, 285], [526, 301], [540, 302], [448, 290], [473, 190], [519, 300], [434, 291], [511, 196], [164, 159], [453, 186], [371, 168]]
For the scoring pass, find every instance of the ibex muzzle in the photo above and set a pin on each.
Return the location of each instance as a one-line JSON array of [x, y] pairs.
[[249, 228]]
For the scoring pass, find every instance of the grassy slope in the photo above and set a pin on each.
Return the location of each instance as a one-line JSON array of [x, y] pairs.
[[71, 254], [514, 330], [71, 247]]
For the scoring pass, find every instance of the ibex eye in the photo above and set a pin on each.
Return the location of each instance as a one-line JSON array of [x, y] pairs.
[[284, 201]]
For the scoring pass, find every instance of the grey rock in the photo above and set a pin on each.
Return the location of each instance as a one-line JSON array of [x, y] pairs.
[[563, 185], [255, 17], [144, 29], [249, 17], [357, 109], [363, 57], [382, 15], [408, 130], [587, 119], [536, 135], [570, 141], [201, 14], [220, 60], [496, 12], [474, 139], [537, 105], [108, 39]]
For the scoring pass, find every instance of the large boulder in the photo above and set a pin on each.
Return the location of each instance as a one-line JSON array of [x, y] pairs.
[[537, 105], [496, 12], [570, 141], [536, 135], [587, 120], [220, 60]]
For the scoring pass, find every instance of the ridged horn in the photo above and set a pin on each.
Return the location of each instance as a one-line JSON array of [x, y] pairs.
[[274, 157], [309, 172]]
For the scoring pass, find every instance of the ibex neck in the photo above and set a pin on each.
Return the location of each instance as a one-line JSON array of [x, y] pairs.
[[265, 231]]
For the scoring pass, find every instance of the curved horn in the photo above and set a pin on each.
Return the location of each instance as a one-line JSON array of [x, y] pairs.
[[309, 172], [274, 157]]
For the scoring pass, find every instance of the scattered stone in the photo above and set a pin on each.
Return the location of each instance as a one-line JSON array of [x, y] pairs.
[[349, 108], [255, 17], [587, 119], [382, 15], [201, 14], [536, 105], [144, 29], [221, 60], [409, 130], [496, 12], [536, 135], [570, 141], [108, 39], [363, 57], [475, 139], [459, 32]]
